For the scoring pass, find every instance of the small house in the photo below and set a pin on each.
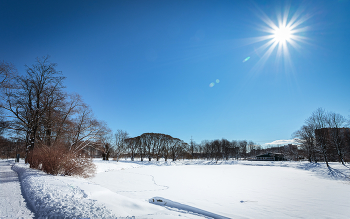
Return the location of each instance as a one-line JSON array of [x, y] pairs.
[[270, 157]]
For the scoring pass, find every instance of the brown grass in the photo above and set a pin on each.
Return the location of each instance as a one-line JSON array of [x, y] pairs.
[[58, 160]]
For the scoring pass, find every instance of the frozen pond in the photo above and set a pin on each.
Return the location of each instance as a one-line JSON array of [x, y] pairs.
[[234, 191]]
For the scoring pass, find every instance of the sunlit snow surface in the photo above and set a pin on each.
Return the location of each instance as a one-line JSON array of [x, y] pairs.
[[194, 189], [238, 189], [12, 203]]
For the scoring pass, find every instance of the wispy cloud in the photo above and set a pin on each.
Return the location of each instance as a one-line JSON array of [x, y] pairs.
[[282, 142]]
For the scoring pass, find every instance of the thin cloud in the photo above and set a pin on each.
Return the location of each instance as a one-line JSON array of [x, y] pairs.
[[282, 142]]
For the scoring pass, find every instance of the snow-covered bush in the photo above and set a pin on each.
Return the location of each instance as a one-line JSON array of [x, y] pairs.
[[58, 160]]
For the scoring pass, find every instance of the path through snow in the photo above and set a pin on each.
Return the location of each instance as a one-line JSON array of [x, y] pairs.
[[12, 202]]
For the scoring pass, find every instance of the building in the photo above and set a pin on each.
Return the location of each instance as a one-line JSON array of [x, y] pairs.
[[270, 157], [334, 143]]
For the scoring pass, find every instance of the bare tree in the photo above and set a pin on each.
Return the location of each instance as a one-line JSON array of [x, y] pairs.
[[121, 145], [306, 137], [192, 147], [147, 144], [175, 148], [337, 138], [84, 130], [7, 73], [105, 142], [166, 146], [134, 145], [216, 148], [26, 101], [159, 140], [235, 148], [226, 147], [64, 117], [243, 148], [140, 146], [251, 148], [323, 136], [318, 120]]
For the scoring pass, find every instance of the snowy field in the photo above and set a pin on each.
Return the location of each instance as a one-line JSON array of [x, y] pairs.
[[237, 189], [191, 189]]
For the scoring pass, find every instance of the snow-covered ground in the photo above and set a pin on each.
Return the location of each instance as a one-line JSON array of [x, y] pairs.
[[12, 203], [189, 189], [245, 189]]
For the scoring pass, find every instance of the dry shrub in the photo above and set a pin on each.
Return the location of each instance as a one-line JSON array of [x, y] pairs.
[[58, 160]]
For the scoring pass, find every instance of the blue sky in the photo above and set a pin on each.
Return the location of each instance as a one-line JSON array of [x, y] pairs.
[[147, 66]]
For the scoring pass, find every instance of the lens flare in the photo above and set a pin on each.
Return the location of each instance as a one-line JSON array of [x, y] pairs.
[[246, 59], [217, 81], [211, 84]]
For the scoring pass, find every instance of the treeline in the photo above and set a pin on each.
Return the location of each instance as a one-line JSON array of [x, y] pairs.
[[224, 149], [150, 146], [156, 145], [10, 147], [325, 137]]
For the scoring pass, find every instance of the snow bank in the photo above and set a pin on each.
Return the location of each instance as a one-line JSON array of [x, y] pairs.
[[50, 196], [68, 197]]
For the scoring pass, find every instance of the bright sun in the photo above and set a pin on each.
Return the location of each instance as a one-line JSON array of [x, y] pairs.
[[282, 34], [286, 32]]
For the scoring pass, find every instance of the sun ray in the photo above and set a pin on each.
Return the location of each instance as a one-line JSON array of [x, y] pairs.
[[300, 21], [271, 45], [253, 40], [285, 16], [300, 30], [296, 15], [279, 50], [265, 46], [295, 45]]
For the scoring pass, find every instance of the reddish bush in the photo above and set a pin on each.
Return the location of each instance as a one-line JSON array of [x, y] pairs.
[[58, 160]]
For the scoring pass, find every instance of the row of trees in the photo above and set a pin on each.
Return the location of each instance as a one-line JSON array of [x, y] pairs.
[[224, 149], [324, 137], [156, 145], [10, 147]]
